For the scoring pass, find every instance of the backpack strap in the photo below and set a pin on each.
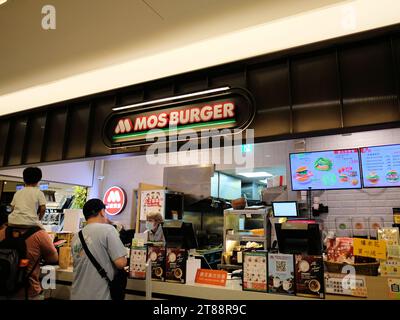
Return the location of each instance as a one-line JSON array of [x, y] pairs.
[[30, 232]]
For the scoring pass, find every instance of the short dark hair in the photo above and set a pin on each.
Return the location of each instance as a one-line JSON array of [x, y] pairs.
[[32, 175], [92, 208]]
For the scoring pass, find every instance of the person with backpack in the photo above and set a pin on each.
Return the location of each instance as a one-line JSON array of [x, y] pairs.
[[21, 250], [99, 257]]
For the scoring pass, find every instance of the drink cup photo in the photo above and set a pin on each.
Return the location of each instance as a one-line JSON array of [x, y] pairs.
[[287, 285], [277, 282]]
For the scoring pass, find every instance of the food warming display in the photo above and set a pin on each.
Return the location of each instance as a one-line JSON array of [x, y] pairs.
[[324, 170], [381, 166]]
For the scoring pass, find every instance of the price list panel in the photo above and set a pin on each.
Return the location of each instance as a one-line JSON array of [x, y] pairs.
[[380, 166]]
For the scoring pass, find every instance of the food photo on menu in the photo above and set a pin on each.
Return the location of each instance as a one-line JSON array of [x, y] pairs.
[[176, 265], [255, 271], [281, 274], [324, 170], [310, 276], [137, 266], [381, 166], [157, 256]]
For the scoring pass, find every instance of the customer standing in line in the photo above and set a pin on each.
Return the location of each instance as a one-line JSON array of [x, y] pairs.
[[103, 242], [38, 246]]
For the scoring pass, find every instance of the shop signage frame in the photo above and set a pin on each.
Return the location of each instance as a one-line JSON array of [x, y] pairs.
[[231, 108]]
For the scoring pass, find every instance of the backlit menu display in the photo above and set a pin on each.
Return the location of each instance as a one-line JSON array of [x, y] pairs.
[[324, 170], [380, 166]]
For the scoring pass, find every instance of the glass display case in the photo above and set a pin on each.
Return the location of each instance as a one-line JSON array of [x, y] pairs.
[[244, 230]]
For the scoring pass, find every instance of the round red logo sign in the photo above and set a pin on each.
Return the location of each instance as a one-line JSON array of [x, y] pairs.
[[115, 200]]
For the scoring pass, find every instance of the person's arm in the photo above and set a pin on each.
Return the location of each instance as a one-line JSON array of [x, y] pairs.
[[120, 263], [41, 212], [42, 205], [12, 204], [116, 249], [47, 249]]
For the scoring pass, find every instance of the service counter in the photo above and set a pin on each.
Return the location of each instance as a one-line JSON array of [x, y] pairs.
[[377, 290]]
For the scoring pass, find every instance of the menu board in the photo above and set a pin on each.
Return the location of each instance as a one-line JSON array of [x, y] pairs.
[[310, 276], [281, 274], [255, 271], [157, 256], [137, 266], [341, 284], [176, 265], [381, 166], [324, 170], [390, 267]]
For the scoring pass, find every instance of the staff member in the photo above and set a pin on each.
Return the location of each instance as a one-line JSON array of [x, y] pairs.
[[154, 230]]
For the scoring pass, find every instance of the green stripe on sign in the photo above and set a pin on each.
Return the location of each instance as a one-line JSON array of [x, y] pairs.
[[188, 126]]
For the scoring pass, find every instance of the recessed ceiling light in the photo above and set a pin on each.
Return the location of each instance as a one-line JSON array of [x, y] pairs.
[[255, 174], [2, 2]]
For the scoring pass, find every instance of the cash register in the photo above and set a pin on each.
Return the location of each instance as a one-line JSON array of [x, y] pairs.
[[296, 235]]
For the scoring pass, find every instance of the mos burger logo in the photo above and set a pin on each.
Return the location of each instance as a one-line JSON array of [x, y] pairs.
[[114, 200], [132, 125]]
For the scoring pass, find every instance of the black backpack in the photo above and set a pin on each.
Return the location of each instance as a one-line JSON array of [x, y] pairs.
[[14, 275]]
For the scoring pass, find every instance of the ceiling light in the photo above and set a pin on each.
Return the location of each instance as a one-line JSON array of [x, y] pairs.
[[255, 174], [2, 2], [141, 104]]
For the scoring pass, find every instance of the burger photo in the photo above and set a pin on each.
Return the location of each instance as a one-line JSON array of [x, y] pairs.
[[303, 174], [392, 176], [343, 177], [323, 164], [373, 177]]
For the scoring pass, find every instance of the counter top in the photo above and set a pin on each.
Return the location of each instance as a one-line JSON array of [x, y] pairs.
[[377, 290]]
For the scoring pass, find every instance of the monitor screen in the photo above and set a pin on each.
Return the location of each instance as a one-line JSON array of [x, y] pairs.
[[381, 166], [325, 170], [284, 209]]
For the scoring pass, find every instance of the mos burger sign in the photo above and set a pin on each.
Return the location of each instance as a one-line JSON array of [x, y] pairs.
[[225, 109], [114, 200]]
